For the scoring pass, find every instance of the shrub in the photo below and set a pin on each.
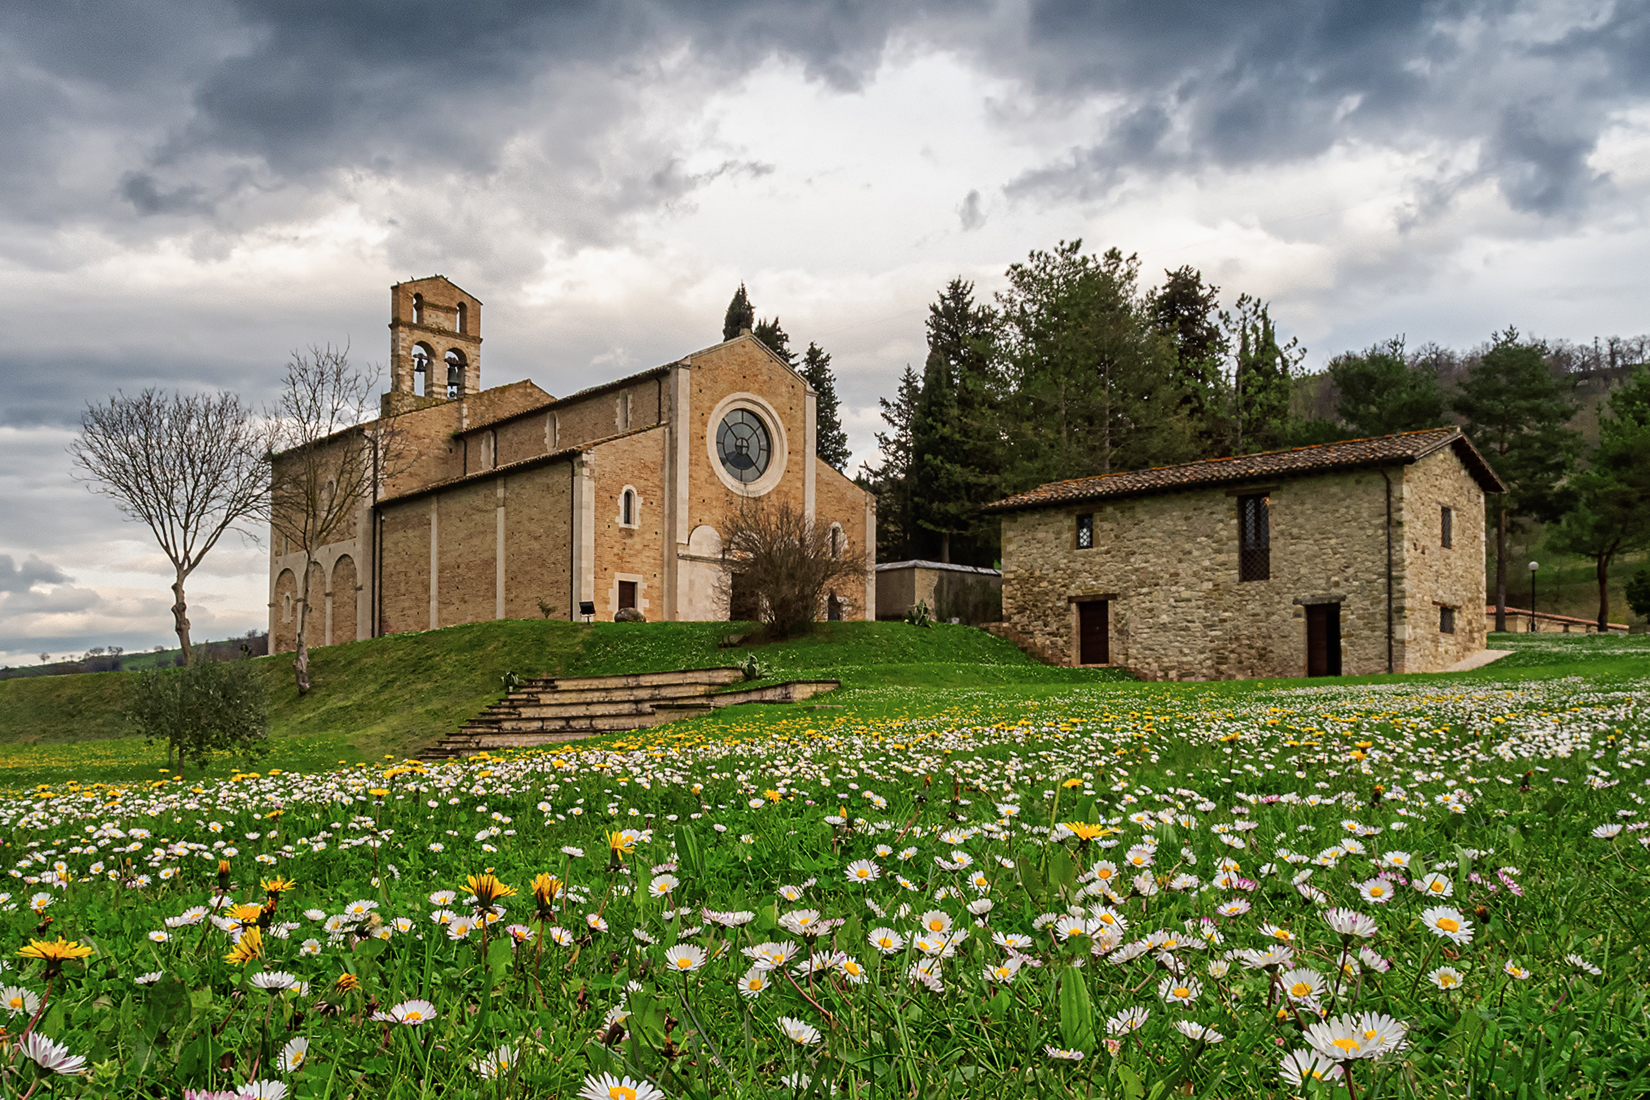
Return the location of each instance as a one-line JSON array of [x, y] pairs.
[[1638, 591], [775, 557], [202, 709]]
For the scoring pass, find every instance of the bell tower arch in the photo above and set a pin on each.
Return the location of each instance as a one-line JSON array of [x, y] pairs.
[[435, 342]]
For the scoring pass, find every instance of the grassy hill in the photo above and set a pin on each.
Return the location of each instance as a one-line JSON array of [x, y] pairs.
[[395, 694]]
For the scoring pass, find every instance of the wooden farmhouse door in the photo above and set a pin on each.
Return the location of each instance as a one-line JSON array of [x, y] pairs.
[[1323, 639], [1093, 639]]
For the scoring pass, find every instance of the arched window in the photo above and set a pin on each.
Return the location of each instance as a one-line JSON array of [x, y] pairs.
[[838, 540], [627, 508], [455, 373], [421, 367], [418, 309], [462, 319]]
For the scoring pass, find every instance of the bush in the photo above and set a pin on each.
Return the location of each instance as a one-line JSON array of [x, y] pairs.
[[202, 709], [776, 560], [1638, 591]]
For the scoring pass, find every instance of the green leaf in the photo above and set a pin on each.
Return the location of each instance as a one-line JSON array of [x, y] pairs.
[[1132, 1088], [1062, 872], [1032, 881], [1076, 1012]]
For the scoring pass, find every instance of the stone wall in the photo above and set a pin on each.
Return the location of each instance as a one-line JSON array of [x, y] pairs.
[[1168, 565], [636, 552], [1436, 577], [838, 501]]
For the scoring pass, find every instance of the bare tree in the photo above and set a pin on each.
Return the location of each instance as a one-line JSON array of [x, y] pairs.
[[327, 463], [189, 466], [773, 552]]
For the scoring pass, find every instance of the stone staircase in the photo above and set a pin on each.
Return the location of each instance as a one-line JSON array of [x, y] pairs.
[[550, 709]]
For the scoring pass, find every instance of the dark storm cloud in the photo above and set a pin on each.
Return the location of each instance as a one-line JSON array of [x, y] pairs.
[[1239, 85], [139, 118]]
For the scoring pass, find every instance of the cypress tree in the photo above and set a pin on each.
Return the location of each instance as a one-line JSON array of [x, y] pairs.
[[955, 445], [777, 339], [831, 442], [891, 482], [740, 315], [1187, 311], [1260, 377]]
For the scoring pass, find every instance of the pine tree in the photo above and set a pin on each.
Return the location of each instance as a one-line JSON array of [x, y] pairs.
[[777, 339], [891, 482], [955, 443], [1381, 392], [740, 315], [1187, 311], [1093, 378], [831, 442], [1516, 411], [1260, 377]]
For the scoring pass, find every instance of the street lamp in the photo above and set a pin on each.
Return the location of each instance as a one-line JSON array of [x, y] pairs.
[[1533, 566]]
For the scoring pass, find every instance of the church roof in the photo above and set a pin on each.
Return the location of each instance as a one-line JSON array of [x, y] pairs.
[[1385, 450]]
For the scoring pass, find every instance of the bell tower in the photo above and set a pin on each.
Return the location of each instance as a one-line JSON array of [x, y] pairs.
[[435, 343]]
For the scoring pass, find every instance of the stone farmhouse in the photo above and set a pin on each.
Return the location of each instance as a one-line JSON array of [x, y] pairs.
[[511, 503], [1353, 558]]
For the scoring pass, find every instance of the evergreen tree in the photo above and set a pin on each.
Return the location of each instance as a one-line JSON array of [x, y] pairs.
[[1093, 378], [1381, 392], [955, 444], [1260, 377], [740, 315], [1187, 311], [891, 482], [1612, 509], [831, 442], [778, 341], [1516, 411]]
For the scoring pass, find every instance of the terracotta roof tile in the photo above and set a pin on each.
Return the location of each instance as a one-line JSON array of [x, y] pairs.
[[1385, 450]]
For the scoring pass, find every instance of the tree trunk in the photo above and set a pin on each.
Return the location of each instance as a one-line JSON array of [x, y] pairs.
[[300, 658], [180, 617], [1501, 570], [1602, 567], [945, 547]]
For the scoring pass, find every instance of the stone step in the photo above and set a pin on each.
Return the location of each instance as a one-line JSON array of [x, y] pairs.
[[551, 697]]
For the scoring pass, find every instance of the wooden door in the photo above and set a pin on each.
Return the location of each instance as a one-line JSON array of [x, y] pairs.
[[627, 595], [1323, 639], [1093, 639]]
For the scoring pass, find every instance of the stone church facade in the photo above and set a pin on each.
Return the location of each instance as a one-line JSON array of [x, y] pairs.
[[1351, 558], [510, 503]]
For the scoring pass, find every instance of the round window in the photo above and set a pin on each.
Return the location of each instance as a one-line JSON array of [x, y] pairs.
[[743, 445]]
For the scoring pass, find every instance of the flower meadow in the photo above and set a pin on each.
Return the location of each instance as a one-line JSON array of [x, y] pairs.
[[1374, 891]]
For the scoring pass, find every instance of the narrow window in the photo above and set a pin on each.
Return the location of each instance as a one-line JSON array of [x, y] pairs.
[[627, 594], [1446, 618], [1085, 531], [418, 309], [1254, 539], [627, 508], [461, 322], [1446, 526]]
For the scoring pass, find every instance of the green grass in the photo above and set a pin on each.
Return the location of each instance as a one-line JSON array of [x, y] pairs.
[[392, 696], [1516, 789]]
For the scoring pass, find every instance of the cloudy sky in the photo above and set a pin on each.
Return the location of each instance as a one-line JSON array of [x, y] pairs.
[[191, 188]]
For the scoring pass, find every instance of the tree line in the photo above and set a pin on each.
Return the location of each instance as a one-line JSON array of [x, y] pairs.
[[1077, 369]]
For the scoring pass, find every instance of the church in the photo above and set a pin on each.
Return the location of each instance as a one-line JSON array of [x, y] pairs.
[[508, 503]]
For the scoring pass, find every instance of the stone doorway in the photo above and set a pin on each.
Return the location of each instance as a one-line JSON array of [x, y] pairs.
[[1323, 639]]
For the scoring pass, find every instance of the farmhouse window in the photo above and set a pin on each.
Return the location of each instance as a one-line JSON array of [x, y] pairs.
[[1085, 531], [1446, 620], [1446, 525], [1254, 539]]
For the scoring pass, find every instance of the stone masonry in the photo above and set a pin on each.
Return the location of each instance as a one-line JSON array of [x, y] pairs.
[[1165, 559], [509, 503]]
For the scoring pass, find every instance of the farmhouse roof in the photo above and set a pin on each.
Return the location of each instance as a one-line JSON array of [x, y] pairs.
[[1386, 450]]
